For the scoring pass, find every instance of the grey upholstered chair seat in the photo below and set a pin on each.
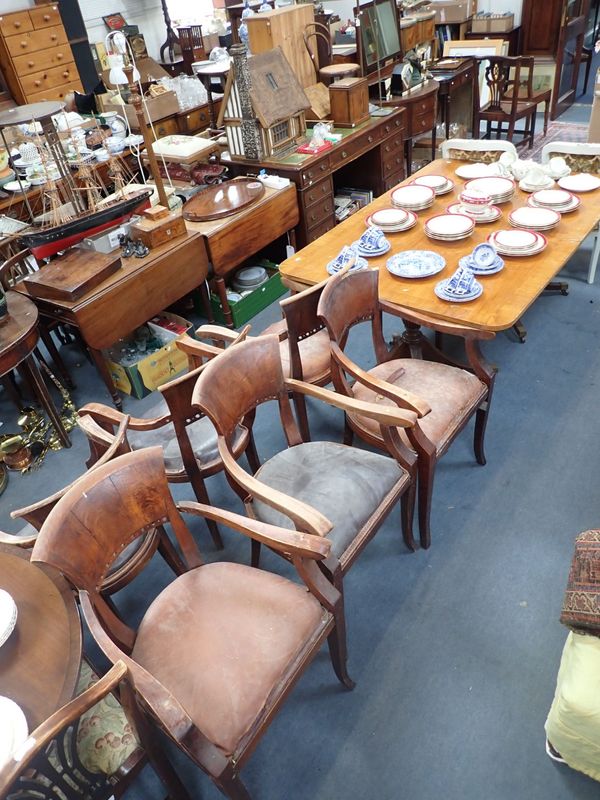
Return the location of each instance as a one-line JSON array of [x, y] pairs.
[[451, 392], [345, 484], [202, 436]]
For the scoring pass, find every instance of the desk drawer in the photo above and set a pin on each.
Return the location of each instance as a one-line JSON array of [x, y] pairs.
[[394, 125], [19, 22], [166, 127], [391, 146], [196, 120], [319, 213], [423, 123], [45, 16], [316, 192], [45, 59], [48, 79], [461, 80], [316, 233], [392, 163], [36, 40], [346, 152], [393, 180], [315, 172]]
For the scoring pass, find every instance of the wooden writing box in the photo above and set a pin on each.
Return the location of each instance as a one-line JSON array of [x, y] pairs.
[[160, 229], [349, 101], [72, 275]]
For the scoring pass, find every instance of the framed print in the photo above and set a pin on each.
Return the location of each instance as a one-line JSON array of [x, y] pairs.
[[114, 22]]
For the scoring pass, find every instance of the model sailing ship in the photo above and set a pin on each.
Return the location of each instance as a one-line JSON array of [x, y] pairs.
[[61, 225]]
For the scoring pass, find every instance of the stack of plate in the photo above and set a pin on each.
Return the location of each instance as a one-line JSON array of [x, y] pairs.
[[413, 197], [416, 264], [449, 227], [250, 278], [478, 269], [526, 186], [518, 243], [439, 183], [582, 182], [392, 220], [557, 199], [534, 219], [491, 213], [8, 615], [499, 189], [13, 731]]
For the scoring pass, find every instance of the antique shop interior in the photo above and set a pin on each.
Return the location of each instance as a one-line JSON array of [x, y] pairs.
[[299, 325]]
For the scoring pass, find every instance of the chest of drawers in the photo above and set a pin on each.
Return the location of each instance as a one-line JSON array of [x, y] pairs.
[[35, 56]]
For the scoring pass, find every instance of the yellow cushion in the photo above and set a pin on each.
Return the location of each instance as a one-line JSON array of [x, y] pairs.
[[573, 724]]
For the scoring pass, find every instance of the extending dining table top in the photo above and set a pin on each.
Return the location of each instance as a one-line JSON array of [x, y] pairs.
[[39, 662], [506, 295]]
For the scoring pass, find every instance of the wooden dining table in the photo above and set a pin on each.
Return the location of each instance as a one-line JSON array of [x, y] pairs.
[[506, 295], [40, 660]]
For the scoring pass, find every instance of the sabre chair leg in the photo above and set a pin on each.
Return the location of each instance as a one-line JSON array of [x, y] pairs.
[[426, 469], [481, 418], [232, 787], [255, 548], [407, 511], [199, 488], [336, 641], [594, 259]]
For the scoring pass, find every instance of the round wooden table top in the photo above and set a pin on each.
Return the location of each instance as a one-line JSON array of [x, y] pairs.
[[18, 333], [39, 662], [223, 199]]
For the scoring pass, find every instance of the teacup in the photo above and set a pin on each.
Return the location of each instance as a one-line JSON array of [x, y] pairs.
[[345, 258], [461, 282], [102, 154], [372, 239], [507, 158], [536, 177], [474, 201], [558, 166]]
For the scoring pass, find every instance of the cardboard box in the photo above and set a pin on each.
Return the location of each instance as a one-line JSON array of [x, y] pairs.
[[165, 105], [501, 24], [448, 12], [480, 24], [594, 129], [153, 370]]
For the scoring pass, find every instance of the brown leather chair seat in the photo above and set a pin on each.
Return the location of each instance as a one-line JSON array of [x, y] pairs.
[[314, 354], [452, 394], [245, 630]]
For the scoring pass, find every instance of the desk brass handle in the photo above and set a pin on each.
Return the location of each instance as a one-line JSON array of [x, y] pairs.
[[344, 154], [369, 139]]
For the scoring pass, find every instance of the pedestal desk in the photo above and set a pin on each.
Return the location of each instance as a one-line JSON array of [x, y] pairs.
[[369, 156], [456, 89], [420, 118]]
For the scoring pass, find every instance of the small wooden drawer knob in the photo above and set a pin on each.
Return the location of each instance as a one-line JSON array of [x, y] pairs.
[[37, 83], [66, 73], [46, 17], [54, 37], [59, 56], [31, 64]]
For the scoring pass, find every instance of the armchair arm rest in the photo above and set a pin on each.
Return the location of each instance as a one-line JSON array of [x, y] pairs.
[[110, 416], [402, 397], [284, 540], [218, 333], [384, 415], [26, 542], [305, 517], [434, 323]]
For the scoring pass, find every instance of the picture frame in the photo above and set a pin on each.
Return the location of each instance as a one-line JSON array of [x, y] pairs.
[[477, 48], [114, 22]]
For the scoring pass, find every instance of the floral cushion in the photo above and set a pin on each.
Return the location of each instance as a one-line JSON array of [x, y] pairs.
[[578, 162], [483, 156], [105, 739]]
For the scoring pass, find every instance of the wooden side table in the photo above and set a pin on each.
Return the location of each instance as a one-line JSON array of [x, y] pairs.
[[19, 336], [39, 663]]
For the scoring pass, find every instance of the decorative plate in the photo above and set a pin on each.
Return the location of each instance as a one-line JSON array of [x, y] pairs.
[[552, 197], [528, 217], [484, 255], [516, 240], [360, 263], [466, 261], [413, 195], [449, 225], [389, 217], [370, 252], [416, 264]]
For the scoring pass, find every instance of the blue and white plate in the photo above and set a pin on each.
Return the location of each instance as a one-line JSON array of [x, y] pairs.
[[368, 252], [498, 264], [360, 263], [416, 264], [440, 291]]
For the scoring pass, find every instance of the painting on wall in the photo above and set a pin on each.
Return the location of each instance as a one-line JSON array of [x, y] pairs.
[[114, 22]]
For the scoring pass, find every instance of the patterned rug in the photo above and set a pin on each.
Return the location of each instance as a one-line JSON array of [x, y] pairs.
[[557, 132]]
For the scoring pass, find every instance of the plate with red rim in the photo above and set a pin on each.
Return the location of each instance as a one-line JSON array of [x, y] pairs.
[[581, 182], [449, 227], [491, 214], [499, 189], [439, 183], [572, 205], [413, 197], [388, 217], [518, 242], [534, 218], [411, 221], [552, 198]]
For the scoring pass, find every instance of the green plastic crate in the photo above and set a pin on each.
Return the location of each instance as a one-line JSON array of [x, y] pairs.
[[256, 301]]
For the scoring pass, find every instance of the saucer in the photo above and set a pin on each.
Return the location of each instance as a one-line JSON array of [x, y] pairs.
[[13, 731], [15, 186], [530, 187], [581, 182], [491, 214], [368, 252], [360, 263], [498, 264], [439, 183], [415, 264], [440, 291]]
